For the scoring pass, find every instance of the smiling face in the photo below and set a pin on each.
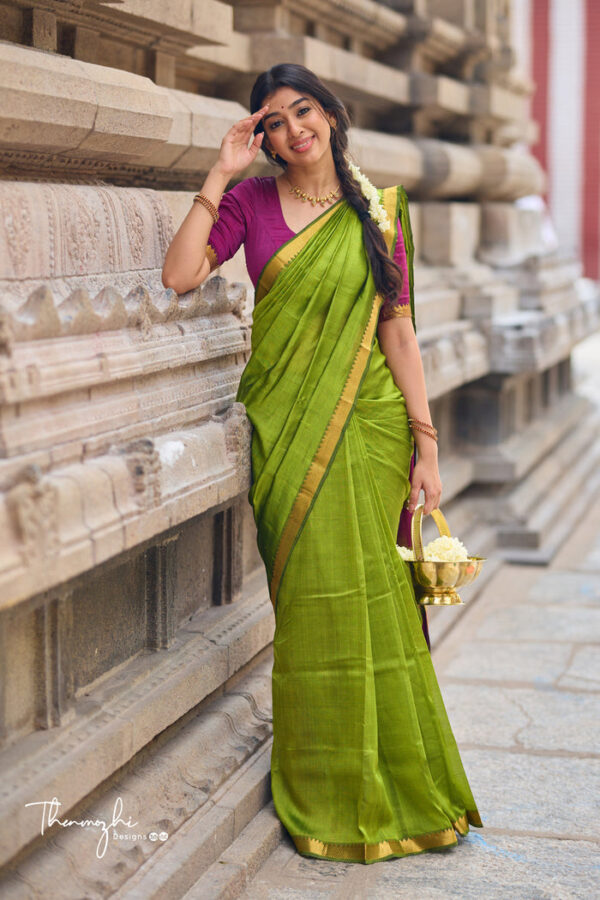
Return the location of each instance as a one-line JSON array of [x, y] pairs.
[[297, 127]]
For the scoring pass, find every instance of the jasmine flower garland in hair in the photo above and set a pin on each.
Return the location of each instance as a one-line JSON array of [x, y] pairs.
[[369, 192]]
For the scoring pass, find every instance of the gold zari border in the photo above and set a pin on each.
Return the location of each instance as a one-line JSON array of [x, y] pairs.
[[212, 257], [393, 312], [319, 464], [400, 847]]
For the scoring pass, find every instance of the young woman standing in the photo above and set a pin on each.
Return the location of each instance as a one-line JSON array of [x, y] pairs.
[[364, 763]]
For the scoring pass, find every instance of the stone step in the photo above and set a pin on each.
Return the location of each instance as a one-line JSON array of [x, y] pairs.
[[231, 824], [558, 509], [511, 459], [231, 874], [211, 690], [553, 470]]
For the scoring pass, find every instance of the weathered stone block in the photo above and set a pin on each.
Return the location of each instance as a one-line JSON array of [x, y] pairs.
[[449, 232]]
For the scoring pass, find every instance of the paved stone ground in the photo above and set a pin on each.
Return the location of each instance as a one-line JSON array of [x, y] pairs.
[[520, 676]]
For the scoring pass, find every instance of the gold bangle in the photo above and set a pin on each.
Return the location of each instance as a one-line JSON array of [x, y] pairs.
[[431, 436], [210, 206], [422, 427], [425, 431], [417, 423], [421, 422]]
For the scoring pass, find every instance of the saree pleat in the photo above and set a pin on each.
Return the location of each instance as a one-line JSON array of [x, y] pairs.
[[364, 763]]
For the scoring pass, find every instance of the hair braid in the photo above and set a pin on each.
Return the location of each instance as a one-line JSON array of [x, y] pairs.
[[387, 275]]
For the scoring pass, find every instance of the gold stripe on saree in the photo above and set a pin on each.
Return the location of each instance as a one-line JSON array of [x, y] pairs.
[[399, 847]]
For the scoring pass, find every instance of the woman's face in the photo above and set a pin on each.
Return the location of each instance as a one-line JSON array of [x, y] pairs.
[[296, 126]]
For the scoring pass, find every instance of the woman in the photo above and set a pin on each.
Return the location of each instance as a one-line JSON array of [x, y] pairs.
[[364, 764]]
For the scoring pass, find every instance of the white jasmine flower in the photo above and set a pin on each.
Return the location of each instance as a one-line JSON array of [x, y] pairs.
[[442, 549], [405, 552], [370, 193], [446, 549]]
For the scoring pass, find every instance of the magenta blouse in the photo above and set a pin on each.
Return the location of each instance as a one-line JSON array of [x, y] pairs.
[[250, 213]]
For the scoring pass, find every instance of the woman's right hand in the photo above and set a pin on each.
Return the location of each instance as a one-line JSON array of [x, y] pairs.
[[426, 475], [235, 155]]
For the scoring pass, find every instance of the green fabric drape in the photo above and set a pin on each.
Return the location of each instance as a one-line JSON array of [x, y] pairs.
[[364, 763]]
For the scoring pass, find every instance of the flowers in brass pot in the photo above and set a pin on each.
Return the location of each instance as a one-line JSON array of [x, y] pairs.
[[442, 549]]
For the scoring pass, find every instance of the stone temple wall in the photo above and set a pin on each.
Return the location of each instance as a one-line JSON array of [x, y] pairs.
[[135, 622]]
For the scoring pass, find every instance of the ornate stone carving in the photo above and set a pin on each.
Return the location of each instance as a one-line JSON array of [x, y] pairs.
[[41, 316], [32, 502], [238, 434], [143, 463]]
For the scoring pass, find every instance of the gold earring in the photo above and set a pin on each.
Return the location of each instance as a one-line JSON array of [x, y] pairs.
[[273, 154]]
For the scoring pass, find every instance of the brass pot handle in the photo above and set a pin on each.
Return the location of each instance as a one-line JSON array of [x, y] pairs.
[[416, 534]]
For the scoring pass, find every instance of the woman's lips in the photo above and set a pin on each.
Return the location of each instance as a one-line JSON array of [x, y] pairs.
[[304, 146]]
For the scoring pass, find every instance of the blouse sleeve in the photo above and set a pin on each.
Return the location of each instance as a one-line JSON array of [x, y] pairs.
[[229, 232], [401, 305]]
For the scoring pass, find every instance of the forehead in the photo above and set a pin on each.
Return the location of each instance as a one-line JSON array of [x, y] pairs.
[[283, 96]]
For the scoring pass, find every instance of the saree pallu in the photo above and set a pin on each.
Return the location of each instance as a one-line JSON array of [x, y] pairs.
[[364, 764]]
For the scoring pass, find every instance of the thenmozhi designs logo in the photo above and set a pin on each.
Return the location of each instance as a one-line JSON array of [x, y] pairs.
[[50, 817]]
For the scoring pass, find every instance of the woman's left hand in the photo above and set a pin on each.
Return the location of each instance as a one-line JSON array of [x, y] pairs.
[[426, 476]]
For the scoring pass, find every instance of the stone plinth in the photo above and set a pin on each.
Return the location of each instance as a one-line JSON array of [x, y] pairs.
[[124, 474]]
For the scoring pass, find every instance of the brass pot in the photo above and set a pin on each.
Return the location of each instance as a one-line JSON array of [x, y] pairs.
[[435, 582]]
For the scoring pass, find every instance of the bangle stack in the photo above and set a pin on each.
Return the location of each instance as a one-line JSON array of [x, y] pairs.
[[425, 427], [210, 206]]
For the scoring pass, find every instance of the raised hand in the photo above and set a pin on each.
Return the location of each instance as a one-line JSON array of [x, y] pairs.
[[235, 155]]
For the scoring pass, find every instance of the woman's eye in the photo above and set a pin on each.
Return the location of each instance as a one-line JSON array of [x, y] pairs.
[[304, 109]]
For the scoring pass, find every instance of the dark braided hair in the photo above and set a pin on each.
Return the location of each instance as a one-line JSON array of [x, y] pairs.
[[387, 275]]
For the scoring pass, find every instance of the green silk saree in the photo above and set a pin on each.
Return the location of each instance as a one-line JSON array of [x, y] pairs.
[[364, 764]]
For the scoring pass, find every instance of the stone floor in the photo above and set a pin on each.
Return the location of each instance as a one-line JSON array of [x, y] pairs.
[[520, 676]]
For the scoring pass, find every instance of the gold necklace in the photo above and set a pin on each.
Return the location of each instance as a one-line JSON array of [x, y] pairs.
[[302, 195]]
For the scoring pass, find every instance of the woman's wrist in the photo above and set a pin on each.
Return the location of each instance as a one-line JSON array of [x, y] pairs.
[[217, 172], [214, 187], [427, 447]]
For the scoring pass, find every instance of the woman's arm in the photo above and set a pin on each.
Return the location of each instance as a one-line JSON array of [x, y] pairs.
[[398, 343], [186, 264]]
